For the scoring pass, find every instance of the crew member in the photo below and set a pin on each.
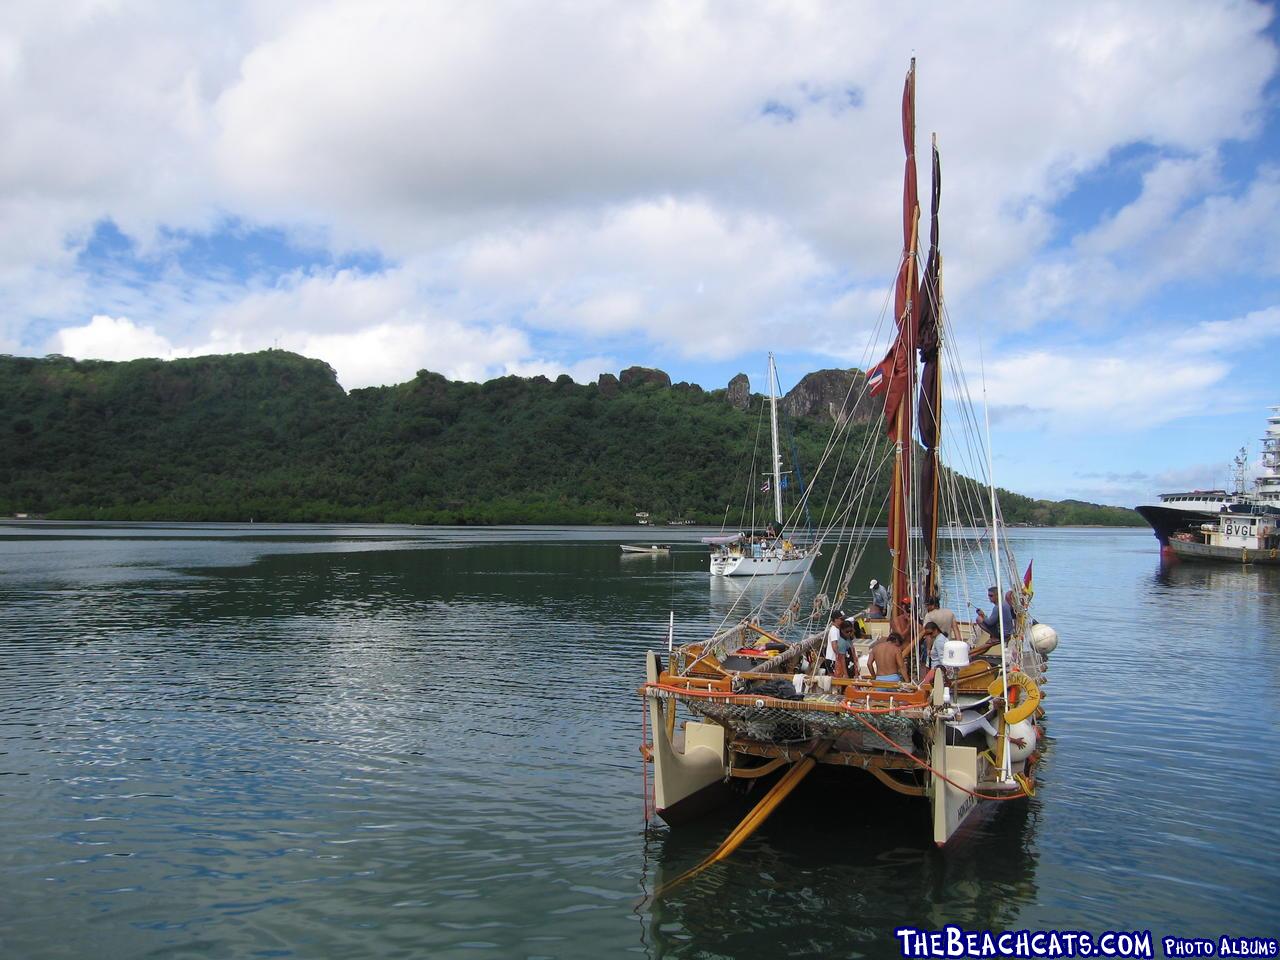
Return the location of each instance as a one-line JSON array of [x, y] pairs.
[[885, 660], [942, 616], [838, 647], [1000, 611], [935, 642], [879, 606]]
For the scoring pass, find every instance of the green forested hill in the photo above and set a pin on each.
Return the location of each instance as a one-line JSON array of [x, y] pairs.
[[272, 436]]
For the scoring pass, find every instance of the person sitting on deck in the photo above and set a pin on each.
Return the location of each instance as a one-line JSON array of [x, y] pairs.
[[854, 628], [991, 623], [885, 660], [879, 606], [836, 656]]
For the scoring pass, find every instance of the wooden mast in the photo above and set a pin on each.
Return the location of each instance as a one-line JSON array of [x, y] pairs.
[[929, 329], [901, 492], [903, 363]]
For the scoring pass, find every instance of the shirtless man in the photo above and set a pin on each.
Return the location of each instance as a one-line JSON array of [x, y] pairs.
[[885, 659]]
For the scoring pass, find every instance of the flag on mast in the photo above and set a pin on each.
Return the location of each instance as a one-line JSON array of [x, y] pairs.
[[1027, 590]]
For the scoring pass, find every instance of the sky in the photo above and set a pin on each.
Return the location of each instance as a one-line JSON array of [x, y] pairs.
[[481, 189]]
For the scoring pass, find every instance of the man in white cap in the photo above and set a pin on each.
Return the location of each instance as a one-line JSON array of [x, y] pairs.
[[879, 600]]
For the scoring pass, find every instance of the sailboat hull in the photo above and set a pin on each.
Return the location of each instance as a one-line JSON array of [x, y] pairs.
[[742, 566]]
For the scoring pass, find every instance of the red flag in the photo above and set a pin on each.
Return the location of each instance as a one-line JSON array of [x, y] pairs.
[[1026, 580]]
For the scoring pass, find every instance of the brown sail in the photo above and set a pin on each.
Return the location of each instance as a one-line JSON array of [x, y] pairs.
[[929, 415], [898, 367]]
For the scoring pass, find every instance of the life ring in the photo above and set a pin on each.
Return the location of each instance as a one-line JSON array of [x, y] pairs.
[[1027, 701]]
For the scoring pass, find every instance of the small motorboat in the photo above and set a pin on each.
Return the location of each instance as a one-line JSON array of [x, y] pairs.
[[646, 548]]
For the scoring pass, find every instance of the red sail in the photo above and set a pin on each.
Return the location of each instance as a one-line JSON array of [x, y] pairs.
[[896, 367], [899, 364]]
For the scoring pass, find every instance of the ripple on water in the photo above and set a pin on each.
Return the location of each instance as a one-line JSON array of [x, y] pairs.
[[354, 745]]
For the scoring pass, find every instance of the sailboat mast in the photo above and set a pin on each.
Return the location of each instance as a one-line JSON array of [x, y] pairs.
[[901, 491], [773, 433], [929, 418], [904, 361]]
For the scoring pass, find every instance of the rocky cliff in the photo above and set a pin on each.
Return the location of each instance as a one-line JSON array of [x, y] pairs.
[[824, 393], [632, 376]]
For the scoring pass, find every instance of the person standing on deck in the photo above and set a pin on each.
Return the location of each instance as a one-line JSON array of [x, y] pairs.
[[879, 600], [942, 616], [838, 647]]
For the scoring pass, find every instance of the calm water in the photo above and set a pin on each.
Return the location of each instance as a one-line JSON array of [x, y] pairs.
[[377, 742]]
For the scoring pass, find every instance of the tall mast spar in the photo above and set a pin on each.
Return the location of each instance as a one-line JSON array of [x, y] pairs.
[[905, 306], [929, 420], [1006, 774], [773, 433]]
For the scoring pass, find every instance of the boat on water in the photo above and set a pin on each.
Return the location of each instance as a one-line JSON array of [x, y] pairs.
[[1243, 533], [646, 548], [771, 552], [1217, 525], [755, 704]]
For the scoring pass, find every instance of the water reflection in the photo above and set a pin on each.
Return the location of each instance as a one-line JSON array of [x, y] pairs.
[[842, 863], [358, 744], [732, 598]]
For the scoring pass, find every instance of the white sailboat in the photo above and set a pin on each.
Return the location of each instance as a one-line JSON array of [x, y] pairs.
[[772, 553]]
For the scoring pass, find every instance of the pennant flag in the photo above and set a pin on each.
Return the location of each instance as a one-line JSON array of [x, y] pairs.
[[1027, 589], [876, 378]]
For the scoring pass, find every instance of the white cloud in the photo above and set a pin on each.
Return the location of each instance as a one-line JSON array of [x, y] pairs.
[[606, 176], [1128, 382], [1166, 189], [327, 317], [1092, 392], [390, 353], [1238, 335], [111, 338], [682, 275]]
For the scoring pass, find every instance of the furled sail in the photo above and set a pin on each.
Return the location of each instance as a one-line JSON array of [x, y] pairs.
[[893, 376], [929, 415]]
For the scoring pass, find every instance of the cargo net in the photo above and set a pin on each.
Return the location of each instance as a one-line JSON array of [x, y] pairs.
[[775, 724]]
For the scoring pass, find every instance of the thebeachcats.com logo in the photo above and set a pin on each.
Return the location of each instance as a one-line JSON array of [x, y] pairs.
[[954, 942]]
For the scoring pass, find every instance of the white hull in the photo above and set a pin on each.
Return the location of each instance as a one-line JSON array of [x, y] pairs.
[[742, 566]]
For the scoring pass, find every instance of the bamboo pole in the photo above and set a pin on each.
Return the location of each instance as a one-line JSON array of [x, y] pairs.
[[752, 821]]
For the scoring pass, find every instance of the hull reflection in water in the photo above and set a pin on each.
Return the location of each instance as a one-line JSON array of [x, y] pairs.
[[865, 863]]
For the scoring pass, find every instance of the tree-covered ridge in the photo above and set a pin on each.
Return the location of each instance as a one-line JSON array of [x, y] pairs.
[[273, 437]]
